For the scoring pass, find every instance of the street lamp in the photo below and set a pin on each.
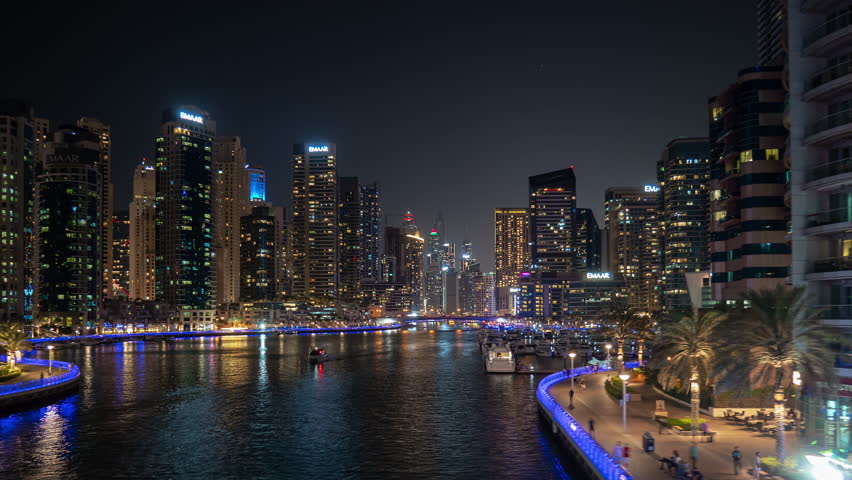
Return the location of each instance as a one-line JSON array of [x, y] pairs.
[[50, 359], [608, 348], [624, 377], [572, 355]]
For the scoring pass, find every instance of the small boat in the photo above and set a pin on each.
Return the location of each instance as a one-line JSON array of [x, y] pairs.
[[544, 349], [499, 360], [317, 355]]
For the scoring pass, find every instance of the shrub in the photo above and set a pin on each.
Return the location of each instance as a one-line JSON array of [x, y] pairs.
[[613, 387], [684, 423]]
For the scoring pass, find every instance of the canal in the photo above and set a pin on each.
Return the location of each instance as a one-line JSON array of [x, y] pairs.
[[400, 404]]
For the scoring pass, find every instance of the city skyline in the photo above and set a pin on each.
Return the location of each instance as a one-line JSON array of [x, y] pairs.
[[469, 78]]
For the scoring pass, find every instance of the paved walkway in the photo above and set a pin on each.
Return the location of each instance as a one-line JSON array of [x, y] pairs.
[[31, 372], [714, 459]]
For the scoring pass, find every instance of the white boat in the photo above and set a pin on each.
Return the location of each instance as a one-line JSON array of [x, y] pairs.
[[317, 355], [544, 349], [526, 349], [499, 360], [562, 348]]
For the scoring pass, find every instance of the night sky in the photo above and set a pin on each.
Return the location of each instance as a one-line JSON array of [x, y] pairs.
[[449, 108]]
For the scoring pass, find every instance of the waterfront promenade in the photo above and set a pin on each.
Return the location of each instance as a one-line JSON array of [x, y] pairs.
[[714, 459]]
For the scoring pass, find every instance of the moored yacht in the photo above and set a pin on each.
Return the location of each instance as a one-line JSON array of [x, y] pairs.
[[499, 360]]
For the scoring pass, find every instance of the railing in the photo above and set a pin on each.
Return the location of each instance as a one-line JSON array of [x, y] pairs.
[[833, 312], [597, 455], [833, 264], [834, 120], [836, 167], [836, 215], [72, 373], [827, 28], [831, 73]]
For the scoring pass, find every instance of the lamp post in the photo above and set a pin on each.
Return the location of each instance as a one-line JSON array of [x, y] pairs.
[[50, 360], [608, 348], [572, 355], [624, 377]]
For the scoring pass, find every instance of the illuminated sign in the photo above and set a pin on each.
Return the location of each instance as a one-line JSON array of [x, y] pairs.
[[598, 275], [321, 148], [652, 188], [191, 117]]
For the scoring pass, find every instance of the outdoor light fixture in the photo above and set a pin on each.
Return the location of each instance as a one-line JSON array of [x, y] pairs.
[[624, 378]]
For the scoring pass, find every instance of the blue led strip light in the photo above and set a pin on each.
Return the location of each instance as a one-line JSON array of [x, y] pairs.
[[73, 372], [594, 452]]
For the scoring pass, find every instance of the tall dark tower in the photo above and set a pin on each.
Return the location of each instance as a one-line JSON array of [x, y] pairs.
[[553, 203], [185, 268], [351, 232]]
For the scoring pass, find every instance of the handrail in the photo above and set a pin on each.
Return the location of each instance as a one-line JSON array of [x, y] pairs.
[[827, 28], [608, 468], [829, 74], [72, 374], [828, 169], [836, 119], [827, 217]]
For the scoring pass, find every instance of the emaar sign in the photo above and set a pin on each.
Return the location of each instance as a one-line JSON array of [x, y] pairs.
[[652, 188], [317, 149], [191, 117], [598, 275]]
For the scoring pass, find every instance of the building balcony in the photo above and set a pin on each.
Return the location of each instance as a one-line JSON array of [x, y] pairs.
[[829, 83], [829, 129], [834, 268], [819, 6], [829, 221], [830, 176], [835, 315], [829, 37]]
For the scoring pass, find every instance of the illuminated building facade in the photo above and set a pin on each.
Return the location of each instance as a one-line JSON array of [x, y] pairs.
[[450, 290], [466, 293], [314, 227], [68, 231], [257, 184], [484, 286], [569, 297], [634, 243], [184, 264], [143, 232], [587, 238], [121, 255], [17, 174], [258, 250], [230, 203], [748, 216], [553, 204], [819, 115], [412, 268], [683, 177], [433, 281], [351, 233], [372, 232], [104, 133]]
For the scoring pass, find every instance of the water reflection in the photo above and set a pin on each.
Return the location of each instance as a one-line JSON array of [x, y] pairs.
[[412, 404]]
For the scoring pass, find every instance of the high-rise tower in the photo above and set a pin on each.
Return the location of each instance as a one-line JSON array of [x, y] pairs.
[[373, 232], [69, 227], [351, 233], [230, 203], [511, 245], [587, 241], [634, 243], [683, 174], [17, 180], [257, 254], [315, 221], [143, 226], [553, 203], [185, 264]]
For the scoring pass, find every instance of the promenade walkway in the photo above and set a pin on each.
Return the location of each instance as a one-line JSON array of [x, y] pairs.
[[31, 372], [714, 459]]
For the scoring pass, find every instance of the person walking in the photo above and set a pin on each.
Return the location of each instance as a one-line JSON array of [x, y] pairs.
[[617, 452], [592, 427], [737, 458], [693, 455], [757, 465], [705, 429]]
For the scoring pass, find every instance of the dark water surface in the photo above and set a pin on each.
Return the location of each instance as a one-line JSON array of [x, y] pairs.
[[403, 404]]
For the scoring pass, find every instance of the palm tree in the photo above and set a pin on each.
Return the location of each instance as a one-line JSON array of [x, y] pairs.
[[13, 339], [618, 325], [643, 330], [685, 352], [779, 333]]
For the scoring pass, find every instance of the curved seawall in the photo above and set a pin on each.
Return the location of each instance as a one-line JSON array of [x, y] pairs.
[[590, 453]]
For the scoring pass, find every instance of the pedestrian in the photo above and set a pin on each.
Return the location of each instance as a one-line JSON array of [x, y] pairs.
[[705, 429], [737, 458], [617, 452], [592, 427], [42, 375], [693, 455], [582, 384], [757, 465], [625, 456], [571, 395]]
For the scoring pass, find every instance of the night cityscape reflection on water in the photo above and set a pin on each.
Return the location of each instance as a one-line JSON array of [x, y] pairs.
[[402, 404]]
